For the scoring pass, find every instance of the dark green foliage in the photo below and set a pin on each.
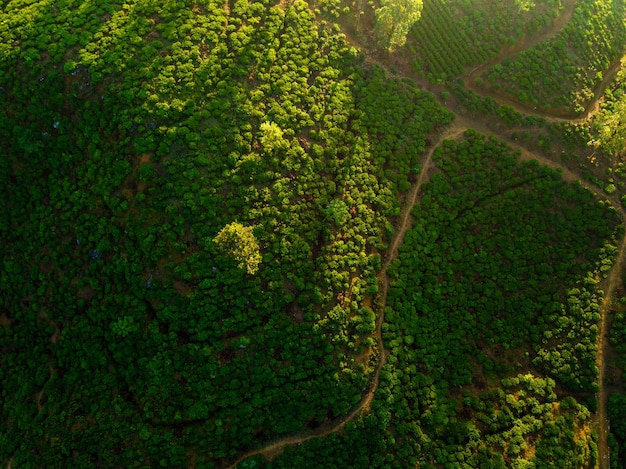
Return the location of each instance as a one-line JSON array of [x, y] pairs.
[[617, 416], [618, 334], [498, 280], [399, 118], [617, 401], [132, 132]]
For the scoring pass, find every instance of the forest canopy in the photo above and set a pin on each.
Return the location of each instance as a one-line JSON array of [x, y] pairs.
[[264, 234]]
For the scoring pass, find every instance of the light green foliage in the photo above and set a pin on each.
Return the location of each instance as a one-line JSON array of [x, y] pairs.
[[238, 241], [525, 5], [394, 19], [606, 131], [271, 137], [124, 326]]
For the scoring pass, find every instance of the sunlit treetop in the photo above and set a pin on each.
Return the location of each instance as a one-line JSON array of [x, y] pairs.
[[394, 19], [239, 242]]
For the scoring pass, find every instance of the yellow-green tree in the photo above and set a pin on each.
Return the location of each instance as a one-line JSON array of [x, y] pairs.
[[394, 19], [271, 137], [239, 242], [525, 5], [610, 126]]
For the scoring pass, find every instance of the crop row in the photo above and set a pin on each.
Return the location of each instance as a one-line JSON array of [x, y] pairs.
[[452, 36], [562, 72]]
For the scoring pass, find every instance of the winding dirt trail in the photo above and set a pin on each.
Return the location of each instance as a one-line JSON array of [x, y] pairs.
[[528, 155], [611, 285], [613, 281], [274, 449], [524, 108], [453, 131], [460, 125]]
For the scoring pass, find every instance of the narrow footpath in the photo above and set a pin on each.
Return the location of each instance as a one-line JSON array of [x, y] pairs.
[[274, 449], [459, 126]]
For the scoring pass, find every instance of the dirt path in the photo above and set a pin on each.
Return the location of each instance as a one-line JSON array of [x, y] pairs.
[[524, 108], [527, 155], [460, 125], [402, 70], [613, 281], [594, 105], [455, 129], [274, 449], [611, 285]]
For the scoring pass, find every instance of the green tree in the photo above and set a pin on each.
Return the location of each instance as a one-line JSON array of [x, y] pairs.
[[394, 19], [239, 242]]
